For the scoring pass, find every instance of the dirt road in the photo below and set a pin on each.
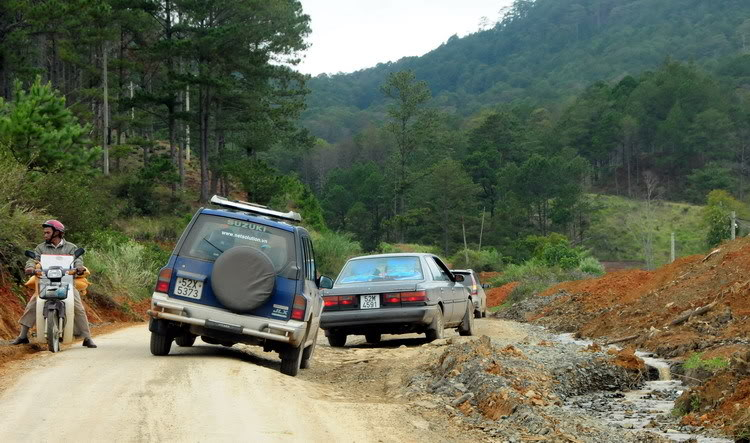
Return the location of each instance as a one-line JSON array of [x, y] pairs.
[[204, 393]]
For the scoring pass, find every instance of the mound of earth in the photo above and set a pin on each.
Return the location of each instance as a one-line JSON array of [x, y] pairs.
[[497, 296], [699, 303]]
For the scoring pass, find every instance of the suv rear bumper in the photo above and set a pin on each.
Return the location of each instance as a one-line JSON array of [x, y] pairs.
[[166, 308], [420, 315]]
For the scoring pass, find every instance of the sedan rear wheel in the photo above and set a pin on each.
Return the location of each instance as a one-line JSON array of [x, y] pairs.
[[435, 331], [467, 325], [337, 339]]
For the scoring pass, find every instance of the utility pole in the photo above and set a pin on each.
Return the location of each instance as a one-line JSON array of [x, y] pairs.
[[466, 248], [672, 254], [481, 230], [734, 224]]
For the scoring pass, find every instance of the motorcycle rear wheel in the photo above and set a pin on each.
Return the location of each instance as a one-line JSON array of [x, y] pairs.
[[53, 332]]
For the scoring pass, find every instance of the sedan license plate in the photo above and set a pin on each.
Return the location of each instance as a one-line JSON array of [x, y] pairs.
[[369, 301], [186, 287]]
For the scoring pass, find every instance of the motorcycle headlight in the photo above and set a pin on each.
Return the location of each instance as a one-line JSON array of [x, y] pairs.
[[54, 273]]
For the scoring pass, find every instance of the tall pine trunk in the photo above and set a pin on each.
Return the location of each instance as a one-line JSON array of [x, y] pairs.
[[203, 117]]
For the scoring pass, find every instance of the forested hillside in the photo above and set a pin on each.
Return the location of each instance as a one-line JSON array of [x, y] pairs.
[[541, 52]]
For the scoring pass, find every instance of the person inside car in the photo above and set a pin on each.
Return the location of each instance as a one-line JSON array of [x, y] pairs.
[[55, 244]]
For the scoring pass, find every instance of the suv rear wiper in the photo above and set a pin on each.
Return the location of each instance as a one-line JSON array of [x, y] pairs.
[[215, 247]]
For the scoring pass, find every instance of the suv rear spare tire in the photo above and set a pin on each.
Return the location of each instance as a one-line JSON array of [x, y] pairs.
[[243, 278]]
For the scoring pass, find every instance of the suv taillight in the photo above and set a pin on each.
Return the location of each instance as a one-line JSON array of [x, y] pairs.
[[298, 308], [162, 283]]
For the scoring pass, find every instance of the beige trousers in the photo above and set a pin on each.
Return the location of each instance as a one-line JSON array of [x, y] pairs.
[[80, 320]]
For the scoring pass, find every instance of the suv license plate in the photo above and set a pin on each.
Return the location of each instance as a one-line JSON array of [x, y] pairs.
[[185, 287], [369, 301]]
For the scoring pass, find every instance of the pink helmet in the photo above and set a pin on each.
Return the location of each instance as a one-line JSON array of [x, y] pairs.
[[54, 224]]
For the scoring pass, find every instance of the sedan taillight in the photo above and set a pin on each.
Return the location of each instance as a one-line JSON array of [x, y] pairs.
[[396, 298], [338, 301]]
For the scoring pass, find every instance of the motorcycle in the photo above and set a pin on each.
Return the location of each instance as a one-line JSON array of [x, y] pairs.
[[54, 288]]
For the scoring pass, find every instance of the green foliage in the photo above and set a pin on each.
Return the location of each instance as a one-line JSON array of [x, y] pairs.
[[41, 133], [395, 248], [332, 250], [163, 229], [140, 190], [19, 222], [123, 267], [696, 361], [717, 215], [356, 200], [292, 194], [485, 260], [590, 265]]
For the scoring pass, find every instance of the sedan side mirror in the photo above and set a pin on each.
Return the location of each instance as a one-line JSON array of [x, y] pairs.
[[31, 254], [325, 282]]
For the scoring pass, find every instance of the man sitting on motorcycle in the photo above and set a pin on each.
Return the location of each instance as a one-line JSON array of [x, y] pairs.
[[55, 244]]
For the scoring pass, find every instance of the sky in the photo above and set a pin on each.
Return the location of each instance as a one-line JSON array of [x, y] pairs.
[[349, 35]]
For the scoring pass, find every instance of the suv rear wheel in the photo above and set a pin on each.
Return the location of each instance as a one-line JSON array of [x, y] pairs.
[[160, 344], [291, 359]]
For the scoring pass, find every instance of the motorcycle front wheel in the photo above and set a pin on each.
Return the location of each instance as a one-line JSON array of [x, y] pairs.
[[53, 332]]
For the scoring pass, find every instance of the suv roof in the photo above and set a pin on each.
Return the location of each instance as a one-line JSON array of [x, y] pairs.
[[255, 209]]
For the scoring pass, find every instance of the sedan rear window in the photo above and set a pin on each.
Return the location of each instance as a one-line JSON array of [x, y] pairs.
[[211, 235], [381, 269]]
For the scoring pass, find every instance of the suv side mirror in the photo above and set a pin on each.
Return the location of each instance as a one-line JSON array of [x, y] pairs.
[[485, 285], [325, 282], [459, 277], [79, 252], [31, 254]]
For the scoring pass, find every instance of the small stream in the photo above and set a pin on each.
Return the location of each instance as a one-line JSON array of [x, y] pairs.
[[648, 408]]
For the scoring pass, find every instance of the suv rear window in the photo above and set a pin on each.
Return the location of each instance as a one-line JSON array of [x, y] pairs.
[[211, 235]]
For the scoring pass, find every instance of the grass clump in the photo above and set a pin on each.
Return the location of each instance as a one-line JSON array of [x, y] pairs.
[[162, 229], [123, 267], [696, 361]]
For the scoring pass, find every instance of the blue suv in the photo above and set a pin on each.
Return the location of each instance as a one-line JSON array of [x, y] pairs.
[[241, 273]]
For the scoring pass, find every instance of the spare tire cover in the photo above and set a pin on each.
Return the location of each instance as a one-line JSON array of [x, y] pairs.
[[243, 278]]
